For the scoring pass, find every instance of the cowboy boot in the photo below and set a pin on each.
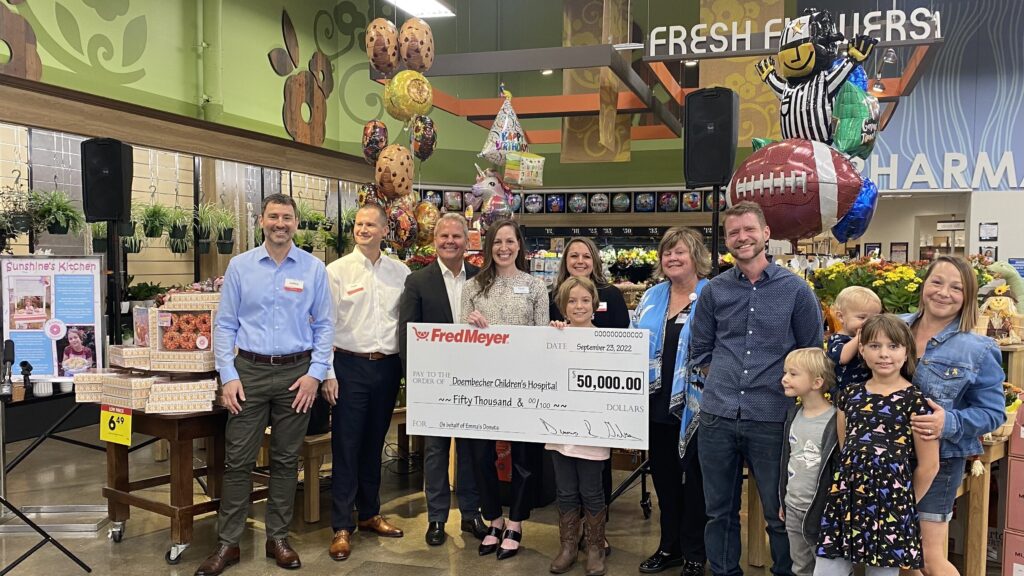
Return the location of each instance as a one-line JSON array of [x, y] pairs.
[[595, 543], [569, 523]]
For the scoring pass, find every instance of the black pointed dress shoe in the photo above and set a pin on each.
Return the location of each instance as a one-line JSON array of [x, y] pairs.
[[660, 561], [486, 549], [504, 553], [476, 526], [435, 533]]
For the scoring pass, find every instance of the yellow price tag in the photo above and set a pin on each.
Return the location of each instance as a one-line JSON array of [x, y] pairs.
[[116, 424]]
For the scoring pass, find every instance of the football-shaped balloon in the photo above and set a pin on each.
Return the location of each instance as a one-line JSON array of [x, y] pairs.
[[375, 139], [803, 187], [426, 214], [402, 227], [408, 94], [424, 137], [368, 194], [495, 208], [394, 172], [416, 45], [382, 45]]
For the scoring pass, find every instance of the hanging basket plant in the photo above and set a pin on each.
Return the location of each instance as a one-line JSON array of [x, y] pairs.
[[206, 220], [179, 221], [178, 245], [55, 212], [99, 237], [132, 244], [155, 219], [203, 246], [225, 246]]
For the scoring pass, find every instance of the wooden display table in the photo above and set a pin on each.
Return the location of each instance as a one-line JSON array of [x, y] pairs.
[[975, 531], [179, 430]]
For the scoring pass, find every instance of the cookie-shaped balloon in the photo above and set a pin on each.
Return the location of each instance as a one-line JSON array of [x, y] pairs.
[[408, 94], [375, 139], [394, 172], [382, 45], [416, 45]]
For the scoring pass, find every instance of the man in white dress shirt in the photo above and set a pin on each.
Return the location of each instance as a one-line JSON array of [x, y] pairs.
[[365, 287]]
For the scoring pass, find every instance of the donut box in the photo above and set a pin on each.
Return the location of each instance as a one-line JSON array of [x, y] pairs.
[[211, 299], [129, 356], [173, 329], [178, 407], [134, 403]]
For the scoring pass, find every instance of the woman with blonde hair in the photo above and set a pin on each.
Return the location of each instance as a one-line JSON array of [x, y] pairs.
[[961, 375], [684, 262]]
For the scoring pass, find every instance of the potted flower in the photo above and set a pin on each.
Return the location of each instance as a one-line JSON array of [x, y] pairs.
[[99, 237], [55, 211], [178, 221], [7, 232], [155, 219], [634, 264]]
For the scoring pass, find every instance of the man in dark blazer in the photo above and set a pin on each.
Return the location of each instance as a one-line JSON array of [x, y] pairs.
[[433, 294]]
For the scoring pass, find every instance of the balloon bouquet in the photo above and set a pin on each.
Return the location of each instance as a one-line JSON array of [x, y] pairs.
[[823, 101], [491, 198], [408, 97]]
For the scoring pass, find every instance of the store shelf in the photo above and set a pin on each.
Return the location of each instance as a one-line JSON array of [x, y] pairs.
[[616, 219]]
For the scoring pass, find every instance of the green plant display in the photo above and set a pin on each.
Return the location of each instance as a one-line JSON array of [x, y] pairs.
[[178, 222], [155, 219], [55, 212]]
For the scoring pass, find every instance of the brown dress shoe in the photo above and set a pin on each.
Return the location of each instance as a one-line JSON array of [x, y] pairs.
[[340, 547], [281, 551], [379, 525], [218, 561]]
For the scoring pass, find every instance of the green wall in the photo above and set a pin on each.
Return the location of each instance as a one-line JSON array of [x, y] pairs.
[[147, 52]]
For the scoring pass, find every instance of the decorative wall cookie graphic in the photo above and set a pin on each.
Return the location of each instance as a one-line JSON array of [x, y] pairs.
[[307, 89]]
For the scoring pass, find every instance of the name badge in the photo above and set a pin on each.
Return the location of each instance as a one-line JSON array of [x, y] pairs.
[[602, 307], [353, 289], [521, 289], [682, 318], [293, 285]]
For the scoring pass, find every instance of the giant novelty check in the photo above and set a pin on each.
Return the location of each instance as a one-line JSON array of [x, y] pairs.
[[533, 384]]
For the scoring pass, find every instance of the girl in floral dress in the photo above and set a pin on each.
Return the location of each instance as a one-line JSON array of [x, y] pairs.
[[871, 516]]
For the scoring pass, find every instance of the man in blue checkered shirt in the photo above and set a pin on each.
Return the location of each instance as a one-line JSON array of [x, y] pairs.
[[747, 320]]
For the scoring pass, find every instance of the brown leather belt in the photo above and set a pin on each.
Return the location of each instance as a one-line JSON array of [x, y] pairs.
[[275, 360], [365, 355]]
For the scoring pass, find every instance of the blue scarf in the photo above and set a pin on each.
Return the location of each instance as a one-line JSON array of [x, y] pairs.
[[651, 315]]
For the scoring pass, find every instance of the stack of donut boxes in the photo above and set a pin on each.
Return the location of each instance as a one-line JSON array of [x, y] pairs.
[[180, 341]]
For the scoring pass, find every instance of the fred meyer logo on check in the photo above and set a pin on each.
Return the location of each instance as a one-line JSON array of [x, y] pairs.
[[467, 335]]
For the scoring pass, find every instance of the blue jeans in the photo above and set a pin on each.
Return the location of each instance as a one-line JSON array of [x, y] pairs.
[[724, 443]]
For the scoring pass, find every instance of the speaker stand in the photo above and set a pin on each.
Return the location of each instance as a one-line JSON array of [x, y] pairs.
[[716, 192]]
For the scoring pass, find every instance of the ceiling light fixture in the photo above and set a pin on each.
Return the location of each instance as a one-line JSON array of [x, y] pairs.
[[628, 46], [690, 63], [423, 8], [888, 57], [547, 72]]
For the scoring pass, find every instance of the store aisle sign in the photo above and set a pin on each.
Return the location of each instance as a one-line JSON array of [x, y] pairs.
[[744, 38], [955, 171], [52, 310], [116, 424]]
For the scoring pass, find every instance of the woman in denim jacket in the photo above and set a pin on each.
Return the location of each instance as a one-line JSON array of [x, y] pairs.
[[961, 375]]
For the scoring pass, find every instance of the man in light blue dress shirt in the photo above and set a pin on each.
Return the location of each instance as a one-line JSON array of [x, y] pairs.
[[275, 309]]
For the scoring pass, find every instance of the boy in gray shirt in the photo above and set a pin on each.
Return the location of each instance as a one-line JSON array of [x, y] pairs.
[[809, 452]]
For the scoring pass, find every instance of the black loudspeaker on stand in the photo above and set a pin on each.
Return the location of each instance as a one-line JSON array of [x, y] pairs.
[[710, 131], [107, 171]]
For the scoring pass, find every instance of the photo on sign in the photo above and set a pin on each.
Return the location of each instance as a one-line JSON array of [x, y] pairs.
[[77, 350], [989, 251], [31, 304], [873, 249]]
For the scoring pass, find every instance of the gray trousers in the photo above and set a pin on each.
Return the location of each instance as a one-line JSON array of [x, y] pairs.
[[578, 482], [800, 549], [267, 399], [436, 450]]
